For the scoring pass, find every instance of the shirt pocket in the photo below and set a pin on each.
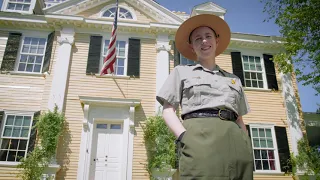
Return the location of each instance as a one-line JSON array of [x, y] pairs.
[[234, 94], [194, 89]]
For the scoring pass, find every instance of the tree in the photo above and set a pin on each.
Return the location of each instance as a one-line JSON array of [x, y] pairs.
[[299, 22]]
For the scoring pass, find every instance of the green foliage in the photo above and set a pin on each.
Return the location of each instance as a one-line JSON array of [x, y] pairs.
[[299, 22], [308, 159], [160, 144], [49, 126]]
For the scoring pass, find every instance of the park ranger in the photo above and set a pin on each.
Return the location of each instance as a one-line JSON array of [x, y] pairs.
[[212, 137]]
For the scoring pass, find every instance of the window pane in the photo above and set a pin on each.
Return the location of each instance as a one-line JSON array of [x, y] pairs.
[[271, 154], [11, 6], [37, 68], [10, 120], [246, 66], [7, 131], [29, 67], [14, 144], [263, 143], [42, 41], [257, 60], [257, 154], [26, 7], [265, 165], [25, 132], [34, 41], [23, 58], [27, 40], [102, 126], [253, 75], [252, 67], [259, 68], [247, 75], [262, 133], [23, 144], [258, 165], [120, 71], [12, 156], [259, 75], [31, 59], [20, 155], [16, 132], [268, 133], [248, 83], [260, 83], [251, 59], [5, 144], [40, 50], [33, 49], [39, 59], [18, 121], [25, 48], [27, 120], [115, 126], [270, 143], [3, 155], [255, 132], [272, 165], [264, 154], [245, 58], [22, 67], [256, 142], [254, 84], [120, 62]]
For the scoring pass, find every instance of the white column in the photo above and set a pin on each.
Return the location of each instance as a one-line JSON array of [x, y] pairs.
[[162, 70], [61, 69], [291, 105]]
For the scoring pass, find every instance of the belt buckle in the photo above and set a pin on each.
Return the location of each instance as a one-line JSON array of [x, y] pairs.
[[219, 114]]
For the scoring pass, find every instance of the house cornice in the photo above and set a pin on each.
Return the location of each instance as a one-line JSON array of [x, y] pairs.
[[109, 101]]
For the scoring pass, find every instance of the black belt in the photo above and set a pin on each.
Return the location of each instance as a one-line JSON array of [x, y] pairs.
[[222, 114]]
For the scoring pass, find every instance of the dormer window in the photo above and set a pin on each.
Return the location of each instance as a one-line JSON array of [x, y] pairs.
[[17, 5], [122, 13]]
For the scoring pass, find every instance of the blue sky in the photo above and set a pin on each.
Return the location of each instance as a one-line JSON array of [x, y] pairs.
[[246, 16]]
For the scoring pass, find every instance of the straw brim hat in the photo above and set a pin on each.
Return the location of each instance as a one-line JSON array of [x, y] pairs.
[[216, 23]]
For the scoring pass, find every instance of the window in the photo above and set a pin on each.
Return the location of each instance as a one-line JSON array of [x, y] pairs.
[[120, 65], [253, 71], [185, 61], [122, 13], [31, 54], [15, 137], [264, 147], [18, 5]]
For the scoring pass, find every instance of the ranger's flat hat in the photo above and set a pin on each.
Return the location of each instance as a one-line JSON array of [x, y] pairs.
[[216, 23]]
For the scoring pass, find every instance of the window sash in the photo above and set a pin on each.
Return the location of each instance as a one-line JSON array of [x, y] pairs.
[[123, 56], [262, 72], [22, 66], [23, 5], [11, 139]]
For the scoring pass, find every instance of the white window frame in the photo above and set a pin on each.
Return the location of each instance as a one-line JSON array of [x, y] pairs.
[[31, 35], [30, 11], [264, 77], [275, 145], [15, 113], [119, 38], [134, 17], [182, 57]]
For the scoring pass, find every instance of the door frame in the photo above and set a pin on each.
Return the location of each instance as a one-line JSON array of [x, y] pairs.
[[118, 110]]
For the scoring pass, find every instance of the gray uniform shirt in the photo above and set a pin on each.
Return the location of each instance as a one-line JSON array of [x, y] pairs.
[[195, 87]]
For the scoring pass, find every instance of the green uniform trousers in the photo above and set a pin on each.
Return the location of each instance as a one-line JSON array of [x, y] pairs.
[[213, 149]]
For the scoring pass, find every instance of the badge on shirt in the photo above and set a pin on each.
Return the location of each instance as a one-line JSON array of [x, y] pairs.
[[233, 81]]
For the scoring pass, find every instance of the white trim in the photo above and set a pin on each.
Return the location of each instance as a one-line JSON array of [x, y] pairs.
[[95, 104], [23, 20], [274, 139], [129, 9], [58, 16]]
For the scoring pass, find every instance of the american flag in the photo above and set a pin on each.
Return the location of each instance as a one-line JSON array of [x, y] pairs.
[[111, 57]]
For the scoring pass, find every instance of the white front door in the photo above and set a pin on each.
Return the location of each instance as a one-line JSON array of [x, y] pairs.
[[107, 149]]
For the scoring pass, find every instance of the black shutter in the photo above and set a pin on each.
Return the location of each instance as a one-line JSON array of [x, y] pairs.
[[33, 134], [47, 57], [176, 55], [270, 72], [11, 52], [1, 118], [237, 65], [248, 129], [94, 55], [134, 58], [283, 149]]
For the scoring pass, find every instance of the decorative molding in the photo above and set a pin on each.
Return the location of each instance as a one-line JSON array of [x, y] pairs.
[[109, 101], [86, 116], [163, 47]]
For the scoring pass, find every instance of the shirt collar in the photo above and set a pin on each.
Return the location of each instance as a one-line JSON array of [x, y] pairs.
[[216, 69]]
